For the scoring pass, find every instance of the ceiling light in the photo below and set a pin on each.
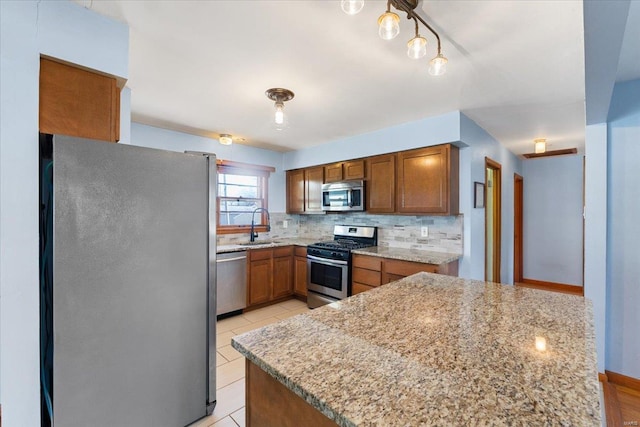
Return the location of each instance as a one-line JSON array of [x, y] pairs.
[[279, 96], [438, 65], [539, 145], [351, 7], [389, 25], [225, 139], [389, 28], [417, 46]]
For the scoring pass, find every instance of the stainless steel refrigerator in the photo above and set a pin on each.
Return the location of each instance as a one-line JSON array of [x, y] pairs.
[[128, 285]]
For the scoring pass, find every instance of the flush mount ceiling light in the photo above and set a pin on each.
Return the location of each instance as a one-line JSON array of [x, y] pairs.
[[279, 96], [225, 139], [539, 145], [389, 28]]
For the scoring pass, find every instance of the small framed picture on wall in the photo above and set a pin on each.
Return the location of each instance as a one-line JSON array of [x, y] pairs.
[[478, 195]]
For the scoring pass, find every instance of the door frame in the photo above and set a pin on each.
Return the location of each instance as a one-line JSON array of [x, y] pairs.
[[497, 217], [518, 221]]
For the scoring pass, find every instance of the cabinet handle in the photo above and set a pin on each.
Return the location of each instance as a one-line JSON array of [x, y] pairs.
[[230, 259]]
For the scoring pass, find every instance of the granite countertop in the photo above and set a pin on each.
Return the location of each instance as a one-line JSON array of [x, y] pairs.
[[438, 350], [259, 244], [415, 255]]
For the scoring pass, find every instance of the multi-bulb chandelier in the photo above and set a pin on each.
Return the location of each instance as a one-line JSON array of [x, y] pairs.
[[389, 28]]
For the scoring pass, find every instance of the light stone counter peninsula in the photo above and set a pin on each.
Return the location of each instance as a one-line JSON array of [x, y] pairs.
[[428, 350], [413, 255]]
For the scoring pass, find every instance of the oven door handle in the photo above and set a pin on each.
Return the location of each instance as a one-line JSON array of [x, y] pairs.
[[326, 261]]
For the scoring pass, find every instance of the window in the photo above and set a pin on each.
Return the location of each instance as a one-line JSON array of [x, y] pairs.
[[242, 189]]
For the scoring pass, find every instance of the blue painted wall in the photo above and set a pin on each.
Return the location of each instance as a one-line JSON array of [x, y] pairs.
[[553, 219], [153, 137], [28, 29], [472, 169], [422, 133], [623, 231]]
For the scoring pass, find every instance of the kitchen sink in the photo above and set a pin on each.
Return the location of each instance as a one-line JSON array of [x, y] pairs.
[[259, 242]]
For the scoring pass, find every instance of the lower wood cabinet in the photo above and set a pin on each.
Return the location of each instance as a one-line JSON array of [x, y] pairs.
[[370, 271], [269, 274], [300, 271], [282, 277]]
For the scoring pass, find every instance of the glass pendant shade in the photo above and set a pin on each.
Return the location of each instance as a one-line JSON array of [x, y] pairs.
[[225, 139], [351, 7], [417, 47], [279, 117], [389, 25], [539, 146], [438, 65]]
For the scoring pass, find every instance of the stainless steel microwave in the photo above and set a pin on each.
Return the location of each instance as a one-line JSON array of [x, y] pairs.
[[343, 196]]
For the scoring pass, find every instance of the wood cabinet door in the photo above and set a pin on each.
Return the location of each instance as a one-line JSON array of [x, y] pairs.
[[300, 276], [424, 181], [381, 184], [314, 178], [353, 170], [395, 269], [282, 277], [356, 288], [260, 275], [333, 173], [78, 102], [295, 191]]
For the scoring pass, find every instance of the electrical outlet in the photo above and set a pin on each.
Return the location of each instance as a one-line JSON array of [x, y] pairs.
[[285, 223], [424, 231]]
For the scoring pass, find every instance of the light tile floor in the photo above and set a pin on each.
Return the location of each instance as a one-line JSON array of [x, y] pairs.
[[229, 410]]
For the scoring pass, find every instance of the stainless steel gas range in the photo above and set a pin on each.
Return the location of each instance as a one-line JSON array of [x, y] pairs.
[[329, 263]]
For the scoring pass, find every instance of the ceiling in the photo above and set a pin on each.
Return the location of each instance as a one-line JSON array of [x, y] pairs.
[[515, 67]]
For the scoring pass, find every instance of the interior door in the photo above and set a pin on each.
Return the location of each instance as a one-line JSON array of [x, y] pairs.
[[493, 209], [130, 285], [518, 235]]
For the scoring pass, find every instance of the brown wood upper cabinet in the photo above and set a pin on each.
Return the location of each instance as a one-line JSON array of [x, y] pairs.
[[78, 102], [295, 191], [381, 184], [313, 180], [304, 190], [427, 181], [344, 171]]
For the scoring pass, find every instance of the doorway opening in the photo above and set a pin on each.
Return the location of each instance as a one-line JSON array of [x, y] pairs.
[[518, 217], [493, 210]]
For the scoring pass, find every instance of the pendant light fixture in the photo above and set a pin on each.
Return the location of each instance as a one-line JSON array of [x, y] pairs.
[[352, 7], [417, 46], [539, 145], [279, 96], [388, 24], [225, 139], [389, 28]]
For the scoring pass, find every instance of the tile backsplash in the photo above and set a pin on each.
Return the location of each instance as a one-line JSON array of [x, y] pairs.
[[397, 231]]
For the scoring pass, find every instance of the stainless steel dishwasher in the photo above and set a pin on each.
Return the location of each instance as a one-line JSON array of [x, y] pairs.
[[231, 269]]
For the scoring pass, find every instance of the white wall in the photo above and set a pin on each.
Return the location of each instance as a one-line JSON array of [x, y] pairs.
[[28, 28], [553, 219], [422, 133], [472, 169], [153, 137], [595, 231], [623, 231]]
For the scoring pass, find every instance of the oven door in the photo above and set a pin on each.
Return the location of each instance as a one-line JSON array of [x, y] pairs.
[[328, 277]]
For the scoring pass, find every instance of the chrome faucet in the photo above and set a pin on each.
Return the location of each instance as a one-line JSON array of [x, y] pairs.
[[253, 236]]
